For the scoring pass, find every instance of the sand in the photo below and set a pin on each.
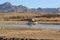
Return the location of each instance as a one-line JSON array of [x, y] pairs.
[[31, 33]]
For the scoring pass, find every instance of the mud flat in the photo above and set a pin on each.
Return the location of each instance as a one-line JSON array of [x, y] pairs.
[[29, 33]]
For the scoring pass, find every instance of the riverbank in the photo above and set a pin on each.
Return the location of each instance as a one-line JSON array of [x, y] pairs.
[[23, 18], [29, 33], [26, 22]]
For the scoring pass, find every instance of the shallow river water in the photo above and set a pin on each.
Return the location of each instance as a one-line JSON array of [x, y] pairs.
[[33, 26]]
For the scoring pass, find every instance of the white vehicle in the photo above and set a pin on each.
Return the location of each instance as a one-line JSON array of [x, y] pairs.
[[32, 21]]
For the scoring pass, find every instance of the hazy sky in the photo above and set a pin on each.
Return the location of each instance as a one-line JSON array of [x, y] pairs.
[[35, 3]]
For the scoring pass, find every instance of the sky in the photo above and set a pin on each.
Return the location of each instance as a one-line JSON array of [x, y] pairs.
[[34, 3]]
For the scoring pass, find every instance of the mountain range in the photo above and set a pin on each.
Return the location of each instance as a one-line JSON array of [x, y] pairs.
[[8, 7]]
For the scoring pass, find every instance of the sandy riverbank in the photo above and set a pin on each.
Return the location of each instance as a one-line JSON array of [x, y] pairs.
[[26, 22], [30, 33]]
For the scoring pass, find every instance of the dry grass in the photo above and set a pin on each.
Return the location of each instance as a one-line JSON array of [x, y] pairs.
[[29, 33], [5, 16], [13, 22]]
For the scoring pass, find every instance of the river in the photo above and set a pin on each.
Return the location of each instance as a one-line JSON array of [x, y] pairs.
[[34, 26]]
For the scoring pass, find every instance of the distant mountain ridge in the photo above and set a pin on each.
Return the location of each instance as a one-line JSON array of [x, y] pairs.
[[8, 7]]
